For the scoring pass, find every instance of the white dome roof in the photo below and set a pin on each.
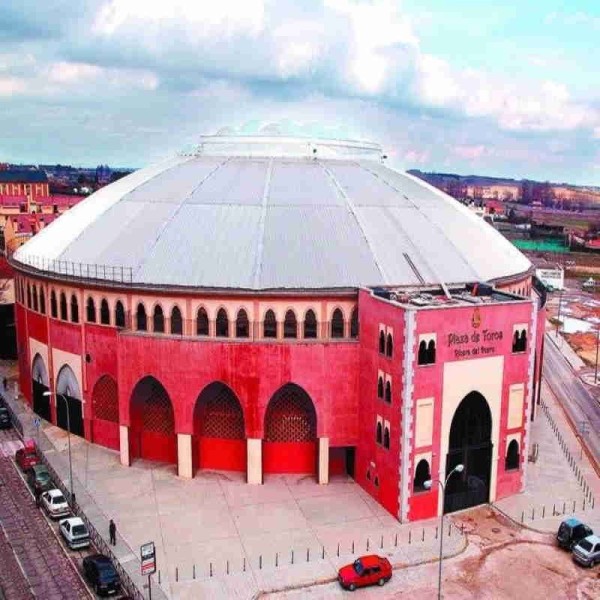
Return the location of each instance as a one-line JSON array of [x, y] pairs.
[[273, 213]]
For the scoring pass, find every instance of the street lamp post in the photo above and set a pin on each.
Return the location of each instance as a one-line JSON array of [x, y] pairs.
[[427, 484], [48, 393]]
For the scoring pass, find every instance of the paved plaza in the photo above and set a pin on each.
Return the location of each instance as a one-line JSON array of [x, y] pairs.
[[218, 537]]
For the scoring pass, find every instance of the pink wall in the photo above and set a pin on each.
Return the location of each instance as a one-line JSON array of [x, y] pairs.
[[374, 312], [428, 379], [254, 371]]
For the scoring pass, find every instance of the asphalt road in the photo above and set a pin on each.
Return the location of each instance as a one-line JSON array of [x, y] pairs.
[[573, 395]]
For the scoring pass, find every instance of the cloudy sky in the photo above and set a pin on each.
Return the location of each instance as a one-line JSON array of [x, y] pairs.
[[468, 86]]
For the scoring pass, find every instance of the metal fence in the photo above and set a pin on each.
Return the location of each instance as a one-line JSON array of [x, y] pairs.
[[388, 543], [127, 583], [573, 463], [68, 268]]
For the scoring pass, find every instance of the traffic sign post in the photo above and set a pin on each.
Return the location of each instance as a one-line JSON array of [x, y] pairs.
[[148, 558], [37, 422]]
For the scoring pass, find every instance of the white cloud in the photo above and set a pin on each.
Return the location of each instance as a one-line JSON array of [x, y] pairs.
[[207, 17]]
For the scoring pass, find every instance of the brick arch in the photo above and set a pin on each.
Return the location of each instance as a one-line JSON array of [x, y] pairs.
[[290, 432], [219, 429], [105, 412], [152, 431]]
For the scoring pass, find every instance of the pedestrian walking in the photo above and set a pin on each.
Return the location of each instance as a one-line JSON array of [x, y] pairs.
[[112, 530], [37, 493]]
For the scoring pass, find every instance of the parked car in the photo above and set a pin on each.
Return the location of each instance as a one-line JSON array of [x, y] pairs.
[[587, 551], [74, 532], [100, 572], [27, 457], [39, 479], [366, 570], [5, 421], [570, 532], [54, 504]]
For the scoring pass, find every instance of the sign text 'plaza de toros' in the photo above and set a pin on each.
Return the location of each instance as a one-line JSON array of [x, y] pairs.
[[287, 306]]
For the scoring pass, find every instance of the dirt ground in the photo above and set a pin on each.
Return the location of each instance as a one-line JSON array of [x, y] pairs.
[[507, 562]]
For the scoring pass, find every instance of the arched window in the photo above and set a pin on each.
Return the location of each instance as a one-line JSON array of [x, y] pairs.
[[222, 323], [386, 438], [53, 307], [63, 306], [290, 325], [90, 313], [337, 324], [516, 340], [379, 434], [512, 456], [310, 324], [389, 346], [431, 352], [242, 325], [422, 359], [158, 319], [270, 325], [28, 296], [381, 342], [105, 313], [422, 475], [141, 319], [74, 309], [34, 298], [388, 391], [523, 341], [176, 321], [380, 388], [120, 315], [42, 301], [354, 323], [201, 322]]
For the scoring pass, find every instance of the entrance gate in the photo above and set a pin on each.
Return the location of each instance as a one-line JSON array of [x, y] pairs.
[[470, 444]]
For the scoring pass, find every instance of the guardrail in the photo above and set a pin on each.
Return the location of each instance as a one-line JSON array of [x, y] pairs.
[[126, 582]]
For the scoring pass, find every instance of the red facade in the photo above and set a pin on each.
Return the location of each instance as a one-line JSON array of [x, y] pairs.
[[360, 393]]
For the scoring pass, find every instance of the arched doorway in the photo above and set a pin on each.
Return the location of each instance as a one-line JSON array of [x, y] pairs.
[[39, 376], [105, 413], [219, 433], [470, 444], [68, 399], [152, 431], [290, 438]]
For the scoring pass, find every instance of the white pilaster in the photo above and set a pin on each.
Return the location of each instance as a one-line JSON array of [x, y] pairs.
[[184, 456], [254, 467], [124, 445], [323, 460]]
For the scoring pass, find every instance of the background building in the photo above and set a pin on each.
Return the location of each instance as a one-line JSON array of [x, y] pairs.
[[277, 305]]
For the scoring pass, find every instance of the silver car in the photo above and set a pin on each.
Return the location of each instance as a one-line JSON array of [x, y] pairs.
[[587, 551], [55, 504]]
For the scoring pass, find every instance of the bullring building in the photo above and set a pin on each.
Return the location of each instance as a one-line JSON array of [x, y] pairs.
[[281, 305]]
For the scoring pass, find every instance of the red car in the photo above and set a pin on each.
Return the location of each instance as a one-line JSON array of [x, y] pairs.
[[27, 457], [366, 570]]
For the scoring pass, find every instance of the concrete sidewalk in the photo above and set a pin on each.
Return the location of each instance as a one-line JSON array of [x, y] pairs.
[[218, 537]]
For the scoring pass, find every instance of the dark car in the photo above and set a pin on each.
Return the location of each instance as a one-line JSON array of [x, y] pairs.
[[99, 571], [366, 570], [570, 532], [5, 422], [39, 479]]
